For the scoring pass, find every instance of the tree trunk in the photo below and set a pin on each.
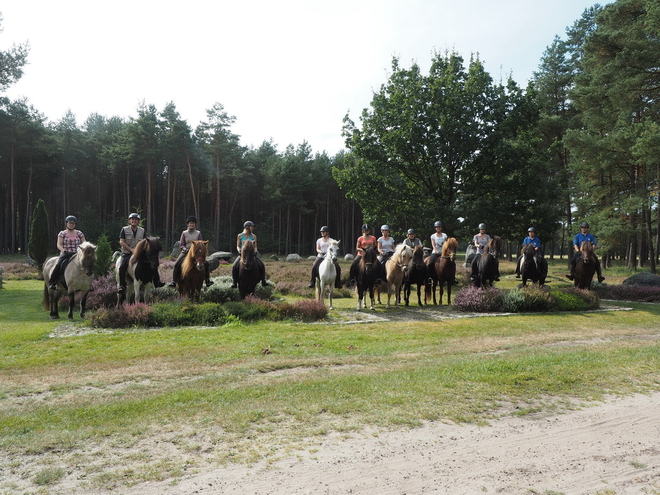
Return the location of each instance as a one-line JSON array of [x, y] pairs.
[[192, 186]]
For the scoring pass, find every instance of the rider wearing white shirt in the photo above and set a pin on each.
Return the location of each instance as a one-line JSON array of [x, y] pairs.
[[322, 245]]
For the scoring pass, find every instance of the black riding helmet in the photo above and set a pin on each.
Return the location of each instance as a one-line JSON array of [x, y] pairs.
[[71, 218], [191, 218], [325, 229]]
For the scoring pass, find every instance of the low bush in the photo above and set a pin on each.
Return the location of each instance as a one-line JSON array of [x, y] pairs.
[[527, 299], [127, 316], [574, 300], [306, 310], [479, 300], [625, 292], [221, 291]]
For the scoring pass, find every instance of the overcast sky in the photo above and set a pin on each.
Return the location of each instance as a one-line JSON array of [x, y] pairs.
[[288, 70]]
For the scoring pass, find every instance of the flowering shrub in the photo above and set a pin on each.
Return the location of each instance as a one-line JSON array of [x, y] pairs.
[[307, 310], [104, 292], [625, 292], [479, 300], [127, 316]]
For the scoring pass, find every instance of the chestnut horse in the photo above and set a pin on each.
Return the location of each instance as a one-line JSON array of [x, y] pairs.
[[193, 270], [444, 271]]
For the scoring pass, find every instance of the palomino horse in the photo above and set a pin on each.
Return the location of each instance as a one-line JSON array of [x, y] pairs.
[[585, 267], [488, 265], [396, 268], [416, 274], [78, 276], [250, 270], [193, 270], [443, 271], [532, 267], [141, 270], [367, 272], [327, 273]]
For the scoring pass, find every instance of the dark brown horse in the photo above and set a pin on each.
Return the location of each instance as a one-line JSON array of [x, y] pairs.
[[488, 266], [585, 267], [444, 270], [416, 274], [141, 270], [368, 270], [193, 270], [249, 271], [532, 267]]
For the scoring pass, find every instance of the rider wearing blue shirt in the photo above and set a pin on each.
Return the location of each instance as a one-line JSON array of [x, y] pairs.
[[534, 241], [583, 236]]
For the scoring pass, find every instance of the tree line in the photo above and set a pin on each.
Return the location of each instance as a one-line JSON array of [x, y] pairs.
[[577, 143]]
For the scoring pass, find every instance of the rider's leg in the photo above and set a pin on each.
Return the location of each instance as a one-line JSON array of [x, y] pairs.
[[518, 267], [338, 284], [475, 267], [315, 272], [234, 272], [55, 275], [121, 288], [209, 282], [431, 266], [176, 272], [574, 259]]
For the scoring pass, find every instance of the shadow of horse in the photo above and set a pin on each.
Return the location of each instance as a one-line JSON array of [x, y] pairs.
[[193, 270], [78, 277], [141, 270], [416, 274], [585, 266], [443, 272], [488, 265], [368, 269], [532, 267], [251, 269]]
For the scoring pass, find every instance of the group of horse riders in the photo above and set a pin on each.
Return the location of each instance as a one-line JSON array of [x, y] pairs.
[[385, 246]]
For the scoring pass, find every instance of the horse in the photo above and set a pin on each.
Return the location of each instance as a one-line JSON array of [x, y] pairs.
[[367, 272], [532, 267], [395, 268], [470, 253], [488, 265], [585, 266], [443, 271], [250, 270], [193, 270], [78, 276], [327, 273], [141, 269], [416, 274]]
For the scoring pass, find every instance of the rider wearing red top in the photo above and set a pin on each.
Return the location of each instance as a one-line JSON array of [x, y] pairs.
[[365, 240]]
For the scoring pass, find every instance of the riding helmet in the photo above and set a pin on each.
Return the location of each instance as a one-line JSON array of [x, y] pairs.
[[366, 227], [385, 227], [325, 229], [482, 226], [438, 224], [584, 225], [191, 218], [71, 218], [133, 215], [531, 229], [411, 231], [248, 224]]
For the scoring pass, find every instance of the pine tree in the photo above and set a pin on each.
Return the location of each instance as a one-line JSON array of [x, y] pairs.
[[39, 239]]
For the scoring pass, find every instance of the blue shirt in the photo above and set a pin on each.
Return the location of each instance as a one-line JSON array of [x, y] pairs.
[[580, 238], [536, 242]]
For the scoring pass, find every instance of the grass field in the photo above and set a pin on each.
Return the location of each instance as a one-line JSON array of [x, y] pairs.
[[99, 410]]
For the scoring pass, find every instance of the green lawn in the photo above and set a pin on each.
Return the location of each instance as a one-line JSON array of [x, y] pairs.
[[91, 405]]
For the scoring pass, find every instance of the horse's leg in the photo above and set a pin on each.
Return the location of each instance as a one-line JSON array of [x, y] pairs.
[[54, 301], [449, 284], [360, 293], [83, 304], [419, 295], [371, 296], [72, 302], [331, 286], [440, 291]]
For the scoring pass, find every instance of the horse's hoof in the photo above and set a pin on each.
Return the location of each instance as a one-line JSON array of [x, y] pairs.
[[54, 317]]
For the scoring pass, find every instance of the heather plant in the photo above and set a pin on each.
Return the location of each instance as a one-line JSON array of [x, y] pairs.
[[305, 310], [479, 300], [126, 316], [19, 271], [526, 299], [625, 292], [104, 292], [252, 309]]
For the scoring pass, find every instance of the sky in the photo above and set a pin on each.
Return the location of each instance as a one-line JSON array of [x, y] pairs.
[[288, 70]]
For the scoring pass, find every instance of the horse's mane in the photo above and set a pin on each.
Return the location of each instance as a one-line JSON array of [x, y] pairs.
[[529, 249], [86, 245], [369, 255], [400, 252], [495, 244], [248, 246], [150, 244], [418, 251], [450, 246], [586, 248]]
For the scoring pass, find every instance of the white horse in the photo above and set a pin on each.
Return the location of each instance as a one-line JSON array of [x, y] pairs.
[[78, 276], [396, 268], [327, 273]]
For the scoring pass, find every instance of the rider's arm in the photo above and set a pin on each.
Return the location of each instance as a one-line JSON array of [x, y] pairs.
[[256, 250], [60, 244]]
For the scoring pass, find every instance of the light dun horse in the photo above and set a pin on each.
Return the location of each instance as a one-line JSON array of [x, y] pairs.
[[78, 276], [585, 267], [193, 270], [396, 267], [327, 273], [443, 272], [142, 267]]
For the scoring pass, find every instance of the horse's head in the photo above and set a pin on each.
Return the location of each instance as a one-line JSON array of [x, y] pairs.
[[402, 256], [247, 255], [368, 260], [198, 253], [152, 249], [494, 246], [449, 248], [87, 256], [418, 258], [586, 251], [333, 251], [528, 251]]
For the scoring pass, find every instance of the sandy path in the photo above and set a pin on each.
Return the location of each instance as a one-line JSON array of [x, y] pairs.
[[611, 448]]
